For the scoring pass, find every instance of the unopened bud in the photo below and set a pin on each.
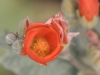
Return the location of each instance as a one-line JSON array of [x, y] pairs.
[[10, 38]]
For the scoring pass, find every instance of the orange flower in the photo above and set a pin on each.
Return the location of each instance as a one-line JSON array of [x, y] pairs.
[[43, 41], [89, 8]]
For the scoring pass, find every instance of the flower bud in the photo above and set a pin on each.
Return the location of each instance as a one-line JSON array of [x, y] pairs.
[[22, 27], [17, 46], [10, 38], [85, 22], [88, 12]]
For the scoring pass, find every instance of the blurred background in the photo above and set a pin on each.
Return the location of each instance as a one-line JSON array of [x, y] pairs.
[[78, 59], [13, 11]]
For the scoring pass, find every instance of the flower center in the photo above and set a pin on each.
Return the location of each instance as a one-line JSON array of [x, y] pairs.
[[40, 46]]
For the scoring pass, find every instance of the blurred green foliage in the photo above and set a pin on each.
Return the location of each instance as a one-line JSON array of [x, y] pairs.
[[3, 71], [13, 11]]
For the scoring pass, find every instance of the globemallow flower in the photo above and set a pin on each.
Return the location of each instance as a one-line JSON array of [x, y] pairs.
[[42, 42]]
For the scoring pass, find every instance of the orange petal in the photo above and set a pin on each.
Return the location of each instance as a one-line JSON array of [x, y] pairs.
[[51, 40], [53, 55], [55, 28], [38, 32], [36, 25]]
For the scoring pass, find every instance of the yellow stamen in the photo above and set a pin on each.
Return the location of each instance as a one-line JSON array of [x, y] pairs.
[[40, 46]]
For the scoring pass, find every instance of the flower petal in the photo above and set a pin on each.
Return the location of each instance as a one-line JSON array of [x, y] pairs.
[[36, 25], [54, 54], [58, 20], [71, 35]]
